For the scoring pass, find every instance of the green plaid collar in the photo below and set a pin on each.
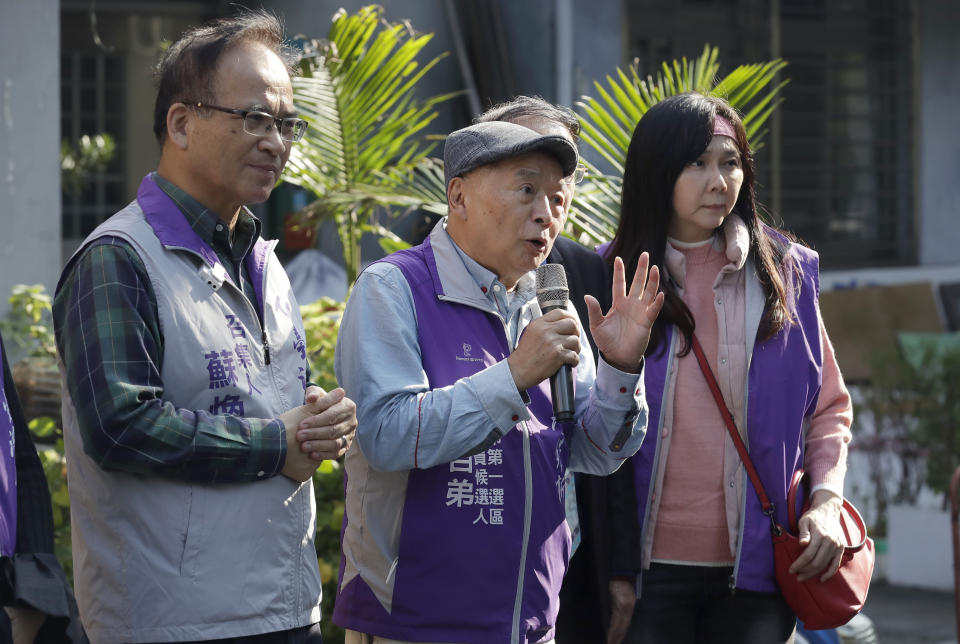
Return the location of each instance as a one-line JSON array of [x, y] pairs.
[[208, 225]]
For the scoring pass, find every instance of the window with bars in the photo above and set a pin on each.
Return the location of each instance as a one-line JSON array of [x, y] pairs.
[[844, 179], [846, 173], [92, 102]]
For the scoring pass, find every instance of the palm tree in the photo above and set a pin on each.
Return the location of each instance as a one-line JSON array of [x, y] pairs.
[[608, 123], [363, 148]]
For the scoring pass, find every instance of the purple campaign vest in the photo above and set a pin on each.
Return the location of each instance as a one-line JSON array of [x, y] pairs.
[[783, 385], [8, 475], [459, 563]]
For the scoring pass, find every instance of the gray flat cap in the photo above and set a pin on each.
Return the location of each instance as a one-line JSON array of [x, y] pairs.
[[471, 147]]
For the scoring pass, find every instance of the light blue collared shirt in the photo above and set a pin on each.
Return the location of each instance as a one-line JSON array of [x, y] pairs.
[[378, 363]]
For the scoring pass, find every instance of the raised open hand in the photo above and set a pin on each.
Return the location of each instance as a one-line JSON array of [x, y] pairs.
[[623, 333]]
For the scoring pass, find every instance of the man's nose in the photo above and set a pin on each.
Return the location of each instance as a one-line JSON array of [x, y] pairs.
[[272, 143], [541, 210]]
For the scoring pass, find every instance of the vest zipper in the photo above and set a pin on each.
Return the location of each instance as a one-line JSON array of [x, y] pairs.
[[264, 326], [743, 475], [648, 510], [527, 519]]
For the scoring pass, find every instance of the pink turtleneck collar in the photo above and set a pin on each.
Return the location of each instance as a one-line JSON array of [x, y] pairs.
[[732, 238]]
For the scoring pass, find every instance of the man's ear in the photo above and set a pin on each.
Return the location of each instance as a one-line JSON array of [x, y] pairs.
[[456, 198], [178, 125]]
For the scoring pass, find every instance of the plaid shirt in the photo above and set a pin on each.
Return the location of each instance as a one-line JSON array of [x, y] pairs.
[[108, 334]]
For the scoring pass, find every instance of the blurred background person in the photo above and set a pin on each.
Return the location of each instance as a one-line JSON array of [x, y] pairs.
[[36, 596]]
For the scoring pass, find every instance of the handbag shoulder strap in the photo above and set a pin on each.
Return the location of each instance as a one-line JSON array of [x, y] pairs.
[[767, 506]]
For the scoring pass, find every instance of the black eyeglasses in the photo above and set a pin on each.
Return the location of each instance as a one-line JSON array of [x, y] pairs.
[[259, 123]]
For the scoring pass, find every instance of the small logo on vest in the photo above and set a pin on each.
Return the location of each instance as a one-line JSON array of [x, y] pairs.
[[466, 357]]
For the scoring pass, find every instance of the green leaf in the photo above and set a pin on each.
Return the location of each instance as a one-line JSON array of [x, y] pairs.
[[327, 467], [61, 497], [336, 517], [43, 427]]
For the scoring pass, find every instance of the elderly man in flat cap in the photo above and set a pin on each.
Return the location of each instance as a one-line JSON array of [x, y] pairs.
[[455, 528]]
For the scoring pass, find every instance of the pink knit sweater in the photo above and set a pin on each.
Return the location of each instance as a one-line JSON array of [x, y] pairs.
[[693, 517]]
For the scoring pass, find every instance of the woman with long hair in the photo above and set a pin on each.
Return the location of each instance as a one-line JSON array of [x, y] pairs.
[[749, 293]]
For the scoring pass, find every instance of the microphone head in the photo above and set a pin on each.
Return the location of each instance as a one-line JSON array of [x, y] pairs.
[[552, 291]]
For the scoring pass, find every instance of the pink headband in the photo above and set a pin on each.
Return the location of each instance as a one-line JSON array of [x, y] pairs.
[[723, 127]]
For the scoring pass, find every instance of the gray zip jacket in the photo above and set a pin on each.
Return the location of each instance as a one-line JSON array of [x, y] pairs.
[[157, 559]]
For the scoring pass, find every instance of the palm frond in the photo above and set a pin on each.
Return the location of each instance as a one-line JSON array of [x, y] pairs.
[[357, 92], [595, 210]]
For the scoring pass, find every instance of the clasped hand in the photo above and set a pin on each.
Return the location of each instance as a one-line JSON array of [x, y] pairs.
[[322, 428], [621, 335]]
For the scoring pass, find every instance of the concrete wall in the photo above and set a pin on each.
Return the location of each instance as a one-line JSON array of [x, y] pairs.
[[29, 144], [598, 42], [938, 136], [919, 548]]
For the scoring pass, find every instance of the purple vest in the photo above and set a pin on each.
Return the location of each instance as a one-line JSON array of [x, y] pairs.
[[783, 384], [8, 475], [458, 576]]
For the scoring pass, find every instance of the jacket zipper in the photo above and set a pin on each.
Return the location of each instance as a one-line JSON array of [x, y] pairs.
[[527, 516], [732, 583], [656, 457]]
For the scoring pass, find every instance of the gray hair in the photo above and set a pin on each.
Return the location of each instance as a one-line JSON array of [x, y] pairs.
[[533, 106]]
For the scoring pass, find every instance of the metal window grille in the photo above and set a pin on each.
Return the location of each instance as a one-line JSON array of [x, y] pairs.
[[840, 173], [846, 173], [92, 102]]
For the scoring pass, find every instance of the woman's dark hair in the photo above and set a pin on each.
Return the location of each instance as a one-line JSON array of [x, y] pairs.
[[187, 69], [670, 135]]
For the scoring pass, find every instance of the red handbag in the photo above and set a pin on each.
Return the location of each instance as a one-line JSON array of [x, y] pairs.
[[818, 604]]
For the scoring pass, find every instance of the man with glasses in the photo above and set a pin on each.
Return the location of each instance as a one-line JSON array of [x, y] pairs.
[[455, 525], [191, 430]]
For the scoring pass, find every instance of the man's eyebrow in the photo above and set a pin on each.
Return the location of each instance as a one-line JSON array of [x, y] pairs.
[[527, 172], [260, 107]]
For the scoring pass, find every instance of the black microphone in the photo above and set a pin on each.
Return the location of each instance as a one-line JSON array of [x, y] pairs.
[[552, 293]]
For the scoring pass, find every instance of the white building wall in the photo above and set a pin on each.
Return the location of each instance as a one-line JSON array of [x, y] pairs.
[[29, 144]]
